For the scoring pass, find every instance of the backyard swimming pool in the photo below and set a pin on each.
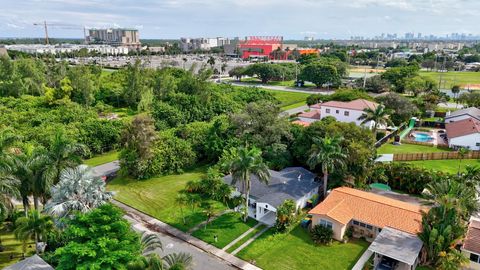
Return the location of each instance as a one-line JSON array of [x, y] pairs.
[[422, 137]]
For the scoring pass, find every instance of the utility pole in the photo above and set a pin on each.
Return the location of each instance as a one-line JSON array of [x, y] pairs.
[[46, 32]]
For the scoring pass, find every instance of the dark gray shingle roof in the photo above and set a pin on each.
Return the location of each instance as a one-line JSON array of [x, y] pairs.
[[31, 263], [289, 183]]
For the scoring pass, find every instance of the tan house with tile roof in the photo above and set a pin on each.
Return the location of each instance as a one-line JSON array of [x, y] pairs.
[[366, 213]]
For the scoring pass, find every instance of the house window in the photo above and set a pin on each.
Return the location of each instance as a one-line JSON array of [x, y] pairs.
[[326, 223], [477, 144], [363, 225], [327, 110], [474, 258], [346, 113], [369, 227], [355, 222], [337, 111], [266, 206]]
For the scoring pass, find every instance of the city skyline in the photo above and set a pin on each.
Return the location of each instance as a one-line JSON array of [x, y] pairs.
[[171, 19]]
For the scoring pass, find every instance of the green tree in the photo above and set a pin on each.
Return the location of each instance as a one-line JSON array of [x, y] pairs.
[[462, 153], [135, 84], [84, 84], [285, 215], [320, 74], [34, 226], [328, 153], [401, 108], [99, 239], [211, 61], [378, 115], [242, 163]]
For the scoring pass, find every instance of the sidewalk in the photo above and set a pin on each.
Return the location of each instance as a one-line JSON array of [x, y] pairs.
[[159, 226]]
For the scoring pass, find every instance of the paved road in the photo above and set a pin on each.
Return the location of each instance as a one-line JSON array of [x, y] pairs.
[[107, 169], [201, 259]]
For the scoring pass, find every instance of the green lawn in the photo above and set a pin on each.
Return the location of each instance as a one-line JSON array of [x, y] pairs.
[[12, 246], [102, 159], [288, 83], [453, 77], [289, 100], [446, 165], [156, 197], [246, 238], [296, 250], [389, 148], [227, 228]]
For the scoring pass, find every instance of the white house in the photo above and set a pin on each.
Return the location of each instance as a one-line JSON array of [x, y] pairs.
[[295, 183], [471, 245], [463, 114], [345, 111], [464, 133]]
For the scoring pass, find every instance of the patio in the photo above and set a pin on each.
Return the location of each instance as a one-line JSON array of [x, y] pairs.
[[396, 248]]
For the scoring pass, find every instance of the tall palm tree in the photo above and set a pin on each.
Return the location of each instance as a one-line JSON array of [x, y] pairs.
[[34, 226], [77, 190], [243, 163], [182, 200], [150, 242], [453, 194], [329, 153], [63, 154], [379, 116], [8, 190]]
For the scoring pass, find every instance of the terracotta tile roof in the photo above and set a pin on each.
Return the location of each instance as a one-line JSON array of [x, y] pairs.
[[358, 104], [472, 240], [301, 123], [316, 106], [344, 204], [462, 127], [314, 114]]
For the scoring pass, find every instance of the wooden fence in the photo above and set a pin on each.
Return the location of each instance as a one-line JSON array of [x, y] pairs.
[[434, 156]]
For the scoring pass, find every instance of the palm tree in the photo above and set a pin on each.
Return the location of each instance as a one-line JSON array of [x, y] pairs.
[[77, 190], [462, 152], [63, 154], [329, 153], [378, 115], [8, 190], [211, 61], [209, 211], [243, 163], [182, 201], [34, 226], [150, 242]]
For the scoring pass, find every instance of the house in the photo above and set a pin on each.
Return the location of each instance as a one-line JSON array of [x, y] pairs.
[[464, 133], [471, 245], [309, 117], [392, 225], [295, 183], [31, 263], [345, 111], [463, 114], [366, 212]]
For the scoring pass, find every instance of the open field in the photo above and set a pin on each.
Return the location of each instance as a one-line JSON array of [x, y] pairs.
[[102, 159], [453, 77], [227, 228], [446, 165], [156, 197], [289, 100], [12, 246], [389, 148], [295, 250]]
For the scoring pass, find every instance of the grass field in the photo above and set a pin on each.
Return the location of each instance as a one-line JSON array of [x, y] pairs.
[[156, 197], [389, 148], [227, 228], [288, 83], [447, 165], [246, 238], [296, 250], [102, 159], [12, 246], [453, 77], [290, 100]]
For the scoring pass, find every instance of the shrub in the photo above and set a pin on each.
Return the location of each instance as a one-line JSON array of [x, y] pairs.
[[285, 215], [321, 234]]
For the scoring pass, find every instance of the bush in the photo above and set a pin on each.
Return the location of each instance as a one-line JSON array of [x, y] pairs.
[[321, 234], [285, 215]]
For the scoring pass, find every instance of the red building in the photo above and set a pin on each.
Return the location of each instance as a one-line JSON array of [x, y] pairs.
[[259, 46]]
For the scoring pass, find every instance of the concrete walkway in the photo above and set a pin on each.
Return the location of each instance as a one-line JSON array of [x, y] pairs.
[[202, 224], [250, 240], [241, 236], [363, 259], [295, 110], [161, 227]]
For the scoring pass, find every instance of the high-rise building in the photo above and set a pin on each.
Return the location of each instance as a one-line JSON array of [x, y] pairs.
[[115, 37]]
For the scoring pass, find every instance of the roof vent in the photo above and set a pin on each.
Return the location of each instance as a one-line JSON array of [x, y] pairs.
[[299, 177]]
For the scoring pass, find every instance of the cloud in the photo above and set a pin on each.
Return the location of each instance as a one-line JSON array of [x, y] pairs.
[[14, 26]]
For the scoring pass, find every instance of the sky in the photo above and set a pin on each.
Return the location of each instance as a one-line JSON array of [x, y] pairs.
[[293, 19]]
